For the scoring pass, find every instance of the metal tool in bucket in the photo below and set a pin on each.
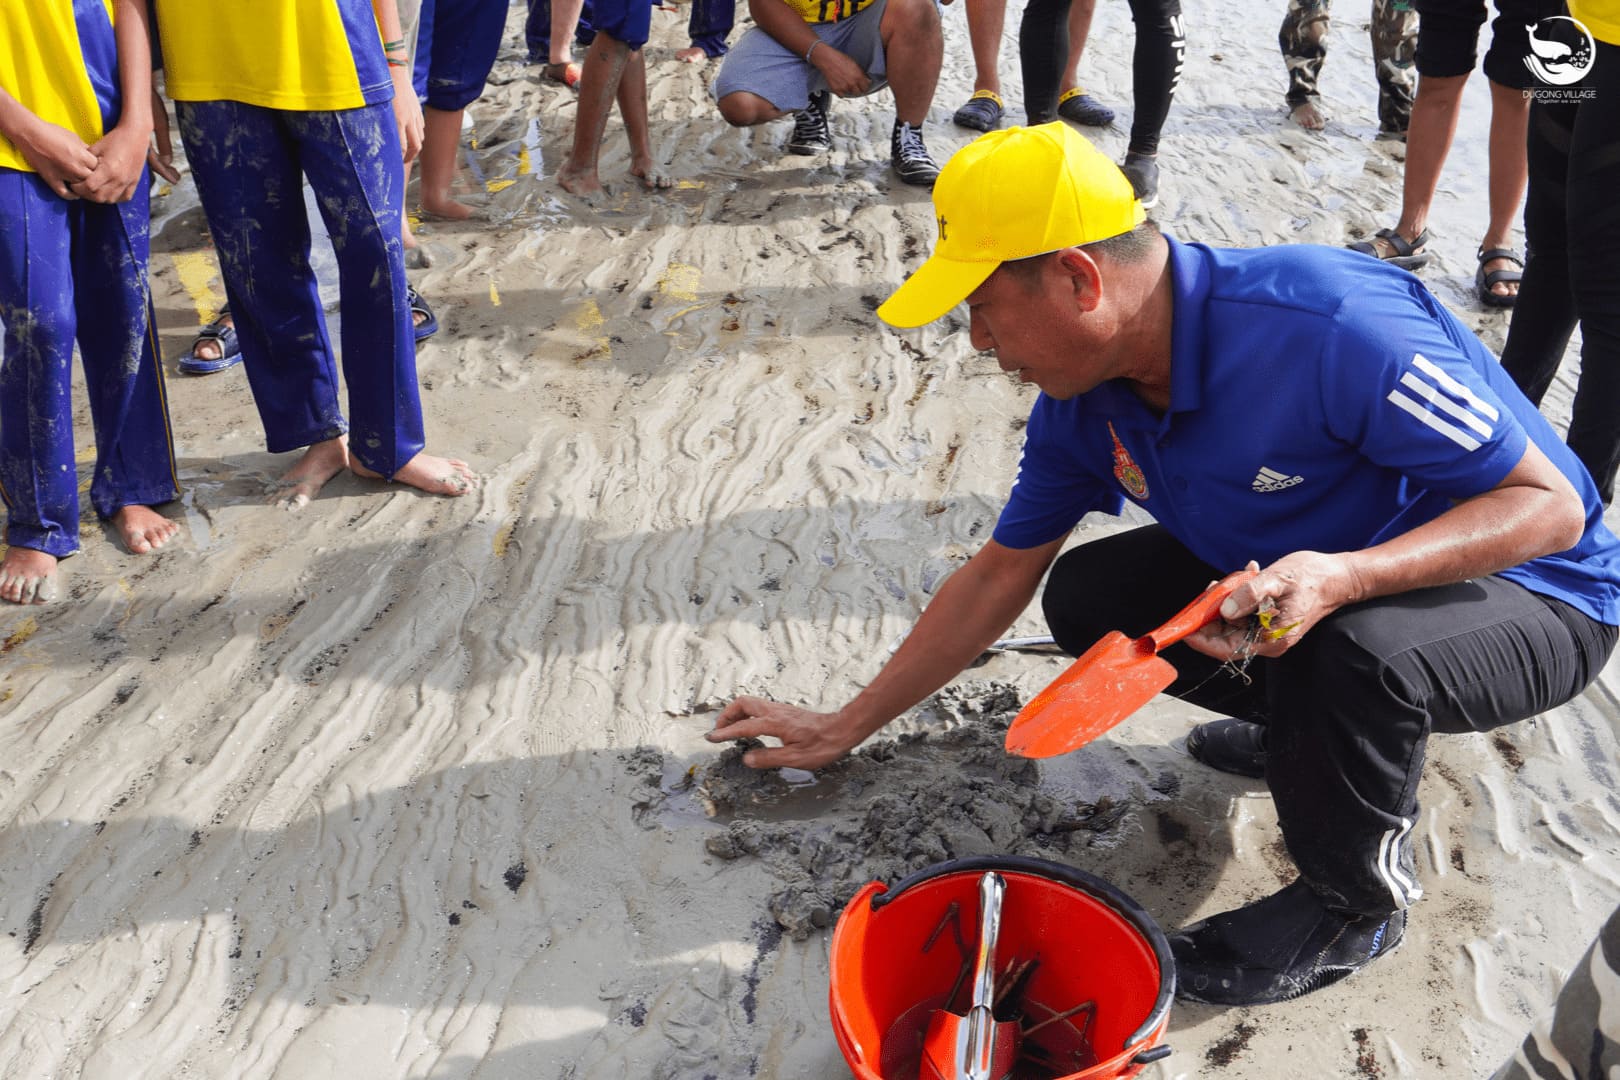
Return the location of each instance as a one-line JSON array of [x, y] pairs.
[[976, 1046], [1089, 971]]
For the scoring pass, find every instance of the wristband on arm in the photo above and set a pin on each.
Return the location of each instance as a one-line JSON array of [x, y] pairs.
[[811, 49]]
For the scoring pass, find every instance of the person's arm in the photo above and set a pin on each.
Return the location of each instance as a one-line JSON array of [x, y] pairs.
[[844, 76], [59, 157], [975, 605], [121, 152], [407, 109], [1533, 511]]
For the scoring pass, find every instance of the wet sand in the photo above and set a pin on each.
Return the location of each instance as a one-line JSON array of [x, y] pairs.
[[409, 787]]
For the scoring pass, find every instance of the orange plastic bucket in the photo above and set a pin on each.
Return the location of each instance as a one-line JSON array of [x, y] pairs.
[[892, 965]]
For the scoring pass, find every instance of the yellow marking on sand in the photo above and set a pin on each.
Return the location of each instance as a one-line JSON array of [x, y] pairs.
[[588, 318], [494, 295], [499, 185], [415, 221], [503, 537], [524, 168], [197, 275], [689, 185], [162, 193], [28, 628], [680, 281], [124, 589]]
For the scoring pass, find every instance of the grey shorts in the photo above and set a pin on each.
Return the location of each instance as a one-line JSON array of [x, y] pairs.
[[759, 64]]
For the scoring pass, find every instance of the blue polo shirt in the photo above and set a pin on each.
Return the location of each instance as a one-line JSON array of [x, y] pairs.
[[1319, 401]]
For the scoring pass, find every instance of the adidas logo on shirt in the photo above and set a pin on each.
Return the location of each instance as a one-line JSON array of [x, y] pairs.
[[1267, 480]]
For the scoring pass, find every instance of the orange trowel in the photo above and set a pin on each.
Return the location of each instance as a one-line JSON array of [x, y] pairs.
[[1110, 680]]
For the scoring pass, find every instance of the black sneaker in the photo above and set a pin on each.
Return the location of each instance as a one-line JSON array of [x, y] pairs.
[[1142, 170], [909, 156], [1230, 745], [811, 134], [1282, 947]]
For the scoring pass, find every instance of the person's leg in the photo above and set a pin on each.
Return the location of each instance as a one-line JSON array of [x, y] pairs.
[[633, 108], [38, 476], [537, 31], [1594, 239], [247, 168], [1161, 50], [913, 50], [566, 18], [135, 468], [1043, 48], [1303, 40], [605, 62], [1078, 27], [1544, 316], [1510, 112], [1394, 31], [466, 38], [986, 19], [708, 27], [1351, 707], [361, 200], [1428, 140], [1448, 36]]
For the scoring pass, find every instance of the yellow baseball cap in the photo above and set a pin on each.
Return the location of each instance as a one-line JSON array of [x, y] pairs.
[[1013, 194]]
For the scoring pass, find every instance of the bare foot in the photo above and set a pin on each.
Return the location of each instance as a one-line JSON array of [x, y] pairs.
[[319, 464], [434, 475], [28, 577], [651, 178], [1308, 116], [444, 207], [143, 529], [582, 182], [406, 236], [692, 54]]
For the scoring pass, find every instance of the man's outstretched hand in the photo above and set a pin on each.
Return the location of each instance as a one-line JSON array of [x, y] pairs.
[[809, 739]]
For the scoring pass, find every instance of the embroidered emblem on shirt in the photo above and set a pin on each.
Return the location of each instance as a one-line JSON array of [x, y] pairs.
[[1126, 471], [1267, 480], [1444, 404]]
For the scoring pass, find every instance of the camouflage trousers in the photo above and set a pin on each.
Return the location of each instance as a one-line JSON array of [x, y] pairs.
[[1303, 38], [1581, 1038]]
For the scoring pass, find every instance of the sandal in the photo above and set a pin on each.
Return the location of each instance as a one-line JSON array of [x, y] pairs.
[[1484, 280], [1407, 256], [981, 113], [430, 322], [221, 333], [568, 73], [1079, 107]]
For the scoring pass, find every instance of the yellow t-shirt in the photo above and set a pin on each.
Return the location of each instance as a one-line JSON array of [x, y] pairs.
[[1601, 17], [59, 60], [826, 11], [302, 55]]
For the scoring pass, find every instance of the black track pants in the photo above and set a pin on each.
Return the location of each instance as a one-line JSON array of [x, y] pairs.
[[1161, 49], [1350, 708], [1572, 231]]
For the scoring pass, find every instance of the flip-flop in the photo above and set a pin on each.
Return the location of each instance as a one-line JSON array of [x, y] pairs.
[[230, 348], [981, 113], [1406, 255], [567, 73], [430, 322], [1483, 279]]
